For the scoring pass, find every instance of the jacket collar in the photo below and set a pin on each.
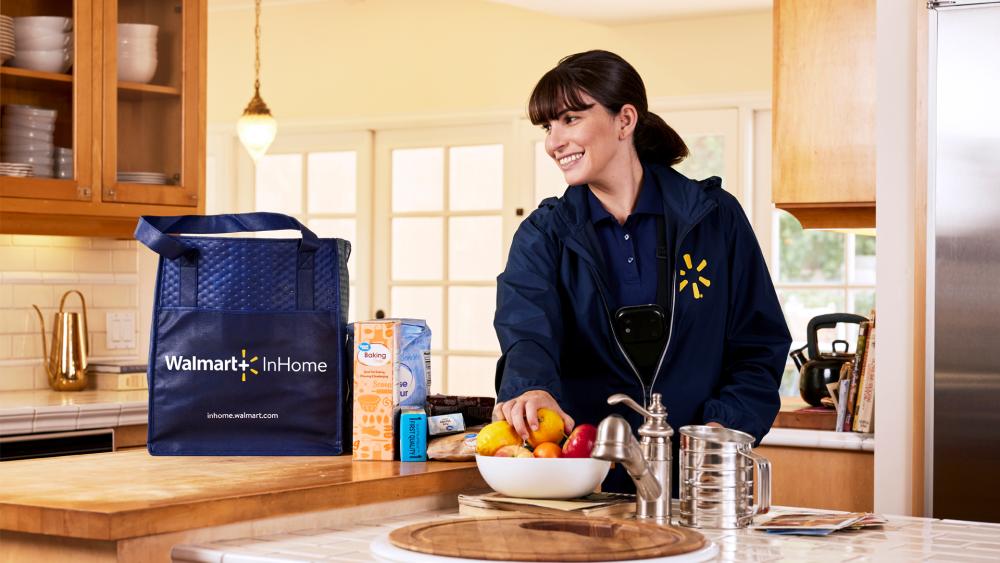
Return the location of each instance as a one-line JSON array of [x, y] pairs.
[[685, 202]]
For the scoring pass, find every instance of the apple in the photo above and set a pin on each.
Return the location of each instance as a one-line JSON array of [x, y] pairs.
[[513, 451], [580, 441]]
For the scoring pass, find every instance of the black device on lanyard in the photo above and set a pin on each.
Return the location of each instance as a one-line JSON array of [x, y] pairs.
[[642, 329]]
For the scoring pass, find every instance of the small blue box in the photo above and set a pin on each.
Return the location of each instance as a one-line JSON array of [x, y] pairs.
[[412, 434]]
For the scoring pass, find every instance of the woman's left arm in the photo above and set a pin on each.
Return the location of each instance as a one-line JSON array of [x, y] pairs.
[[757, 338]]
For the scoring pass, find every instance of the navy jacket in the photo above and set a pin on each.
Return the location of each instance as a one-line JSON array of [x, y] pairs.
[[726, 349]]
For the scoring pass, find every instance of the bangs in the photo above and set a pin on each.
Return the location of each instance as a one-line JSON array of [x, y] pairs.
[[555, 93]]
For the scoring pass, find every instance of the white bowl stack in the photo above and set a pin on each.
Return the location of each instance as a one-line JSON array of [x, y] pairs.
[[136, 52], [6, 38], [43, 43], [27, 138]]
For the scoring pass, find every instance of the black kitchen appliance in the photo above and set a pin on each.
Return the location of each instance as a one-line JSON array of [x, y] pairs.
[[821, 368]]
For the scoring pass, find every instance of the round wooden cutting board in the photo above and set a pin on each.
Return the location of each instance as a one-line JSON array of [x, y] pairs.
[[541, 538]]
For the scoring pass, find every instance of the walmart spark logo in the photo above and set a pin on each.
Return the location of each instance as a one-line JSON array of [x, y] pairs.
[[244, 364], [701, 279]]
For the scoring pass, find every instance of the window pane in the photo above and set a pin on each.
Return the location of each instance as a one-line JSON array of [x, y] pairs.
[[476, 177], [417, 248], [420, 303], [278, 183], [862, 301], [470, 318], [549, 180], [475, 248], [333, 182], [790, 381], [808, 256], [437, 375], [471, 375], [801, 305], [864, 259], [338, 228], [706, 158], [418, 179]]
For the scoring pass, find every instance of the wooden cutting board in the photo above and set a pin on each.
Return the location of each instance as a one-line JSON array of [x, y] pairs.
[[540, 538]]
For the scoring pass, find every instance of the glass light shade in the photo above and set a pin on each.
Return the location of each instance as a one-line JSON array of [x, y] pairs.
[[256, 131]]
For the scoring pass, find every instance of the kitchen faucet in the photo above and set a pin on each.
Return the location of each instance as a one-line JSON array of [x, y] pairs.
[[648, 462]]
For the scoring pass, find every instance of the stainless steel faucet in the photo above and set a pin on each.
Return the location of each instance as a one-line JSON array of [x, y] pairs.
[[648, 462]]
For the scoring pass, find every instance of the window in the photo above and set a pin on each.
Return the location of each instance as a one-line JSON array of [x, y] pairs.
[[440, 204], [317, 179]]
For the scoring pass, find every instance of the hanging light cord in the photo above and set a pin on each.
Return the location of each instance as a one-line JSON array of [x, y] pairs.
[[256, 36]]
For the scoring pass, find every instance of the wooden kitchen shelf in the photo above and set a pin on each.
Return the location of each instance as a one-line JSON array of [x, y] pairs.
[[125, 87], [36, 74]]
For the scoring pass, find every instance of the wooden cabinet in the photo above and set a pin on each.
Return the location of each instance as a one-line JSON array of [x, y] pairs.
[[824, 111], [821, 478], [113, 126]]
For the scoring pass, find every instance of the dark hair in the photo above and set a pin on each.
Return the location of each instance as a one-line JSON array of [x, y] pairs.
[[613, 82]]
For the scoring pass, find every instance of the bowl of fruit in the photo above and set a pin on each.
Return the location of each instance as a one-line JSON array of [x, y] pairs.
[[548, 464]]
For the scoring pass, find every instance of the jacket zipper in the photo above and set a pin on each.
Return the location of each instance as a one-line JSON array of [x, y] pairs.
[[614, 335], [673, 298]]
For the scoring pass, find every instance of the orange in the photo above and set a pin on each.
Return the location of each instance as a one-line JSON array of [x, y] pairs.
[[496, 435], [550, 428], [548, 449]]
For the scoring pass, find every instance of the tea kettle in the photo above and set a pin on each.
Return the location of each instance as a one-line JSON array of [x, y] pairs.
[[821, 369], [66, 364]]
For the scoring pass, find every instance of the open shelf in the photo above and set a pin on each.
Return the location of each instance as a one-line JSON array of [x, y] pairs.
[[35, 74], [128, 87]]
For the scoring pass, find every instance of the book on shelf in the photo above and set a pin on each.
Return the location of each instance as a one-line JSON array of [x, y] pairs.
[[116, 367], [595, 504], [852, 384], [120, 381], [864, 412]]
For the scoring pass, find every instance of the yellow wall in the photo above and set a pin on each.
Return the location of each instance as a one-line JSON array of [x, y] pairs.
[[339, 59]]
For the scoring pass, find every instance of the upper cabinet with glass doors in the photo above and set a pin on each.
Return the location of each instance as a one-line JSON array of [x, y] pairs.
[[103, 115]]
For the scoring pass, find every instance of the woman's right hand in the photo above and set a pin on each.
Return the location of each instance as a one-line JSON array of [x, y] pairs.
[[522, 411]]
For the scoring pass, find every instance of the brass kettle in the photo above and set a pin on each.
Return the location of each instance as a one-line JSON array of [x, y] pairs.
[[66, 364]]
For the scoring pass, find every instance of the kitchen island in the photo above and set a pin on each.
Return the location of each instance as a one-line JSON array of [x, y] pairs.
[[130, 506]]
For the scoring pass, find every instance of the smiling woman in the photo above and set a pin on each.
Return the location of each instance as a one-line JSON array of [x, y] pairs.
[[598, 296]]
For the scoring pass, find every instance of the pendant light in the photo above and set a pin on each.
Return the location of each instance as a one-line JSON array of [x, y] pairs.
[[256, 127]]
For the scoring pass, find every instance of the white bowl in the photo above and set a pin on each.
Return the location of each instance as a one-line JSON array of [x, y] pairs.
[[556, 478], [136, 69], [20, 133], [28, 159], [55, 60], [40, 42], [28, 148], [137, 30], [50, 24], [27, 122], [30, 111]]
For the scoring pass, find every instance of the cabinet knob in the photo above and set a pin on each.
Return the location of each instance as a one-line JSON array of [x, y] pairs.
[[83, 192]]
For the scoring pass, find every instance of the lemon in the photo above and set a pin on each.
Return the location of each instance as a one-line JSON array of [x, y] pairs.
[[550, 428], [494, 436]]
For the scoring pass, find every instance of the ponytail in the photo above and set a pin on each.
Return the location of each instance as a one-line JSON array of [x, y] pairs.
[[657, 142]]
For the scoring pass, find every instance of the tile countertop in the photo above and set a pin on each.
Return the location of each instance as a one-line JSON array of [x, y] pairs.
[[27, 412], [904, 538]]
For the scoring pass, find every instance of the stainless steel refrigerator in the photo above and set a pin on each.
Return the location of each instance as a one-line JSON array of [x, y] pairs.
[[963, 261]]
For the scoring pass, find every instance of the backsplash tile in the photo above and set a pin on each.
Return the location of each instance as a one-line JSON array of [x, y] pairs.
[[38, 270]]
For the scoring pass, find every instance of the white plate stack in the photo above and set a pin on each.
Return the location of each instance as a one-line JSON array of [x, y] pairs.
[[27, 137], [43, 43], [15, 169], [6, 38], [143, 178], [136, 52], [64, 163]]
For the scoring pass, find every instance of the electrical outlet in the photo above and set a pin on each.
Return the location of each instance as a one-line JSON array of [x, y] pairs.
[[121, 330]]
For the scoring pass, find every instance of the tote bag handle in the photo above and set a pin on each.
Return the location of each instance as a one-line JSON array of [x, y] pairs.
[[153, 231]]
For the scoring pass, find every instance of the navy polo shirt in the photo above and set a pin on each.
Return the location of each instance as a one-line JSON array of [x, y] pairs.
[[630, 250]]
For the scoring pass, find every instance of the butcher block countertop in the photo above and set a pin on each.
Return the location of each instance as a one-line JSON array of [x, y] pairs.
[[113, 496]]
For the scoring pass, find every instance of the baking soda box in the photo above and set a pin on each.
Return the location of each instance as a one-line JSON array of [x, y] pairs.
[[391, 370]]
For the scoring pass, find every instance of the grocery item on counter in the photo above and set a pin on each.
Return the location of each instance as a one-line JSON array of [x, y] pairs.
[[445, 424], [412, 377], [412, 434], [454, 447], [375, 351], [475, 410]]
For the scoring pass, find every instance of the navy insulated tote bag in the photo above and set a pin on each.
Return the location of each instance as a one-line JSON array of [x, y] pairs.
[[247, 353]]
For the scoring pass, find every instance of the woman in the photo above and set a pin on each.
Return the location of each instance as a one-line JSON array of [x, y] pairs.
[[637, 280]]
